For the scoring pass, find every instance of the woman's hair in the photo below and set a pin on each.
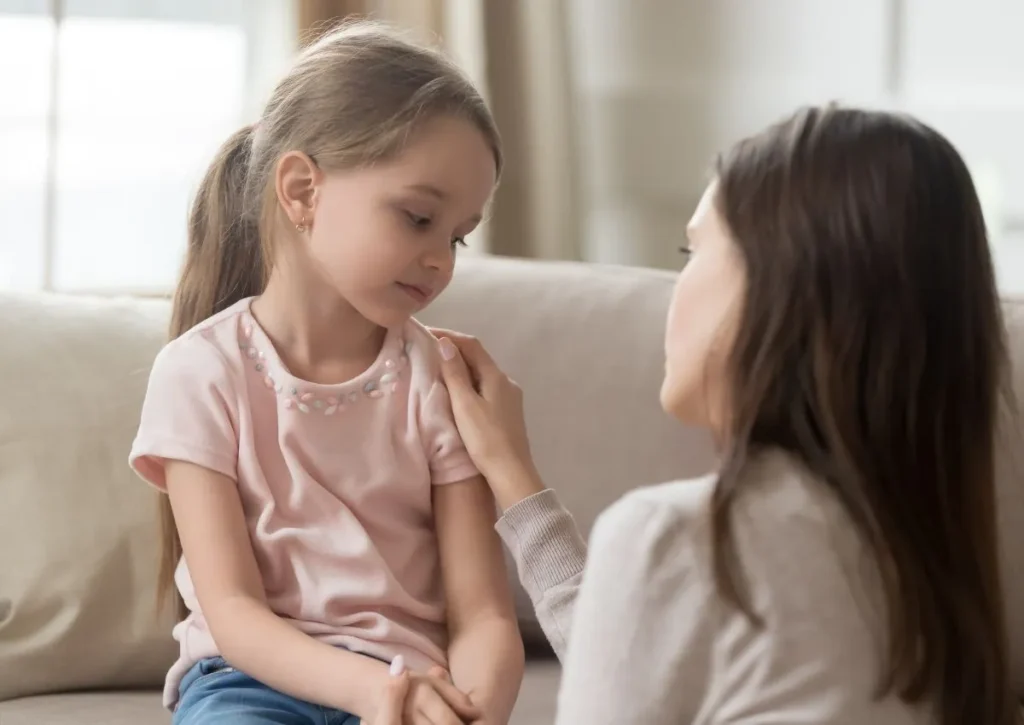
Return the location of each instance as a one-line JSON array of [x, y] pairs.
[[871, 348], [354, 97]]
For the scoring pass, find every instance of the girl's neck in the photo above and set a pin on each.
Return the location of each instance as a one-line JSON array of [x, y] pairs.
[[317, 333]]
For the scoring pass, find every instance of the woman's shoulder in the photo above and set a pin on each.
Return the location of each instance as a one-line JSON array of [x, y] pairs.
[[779, 509], [656, 526]]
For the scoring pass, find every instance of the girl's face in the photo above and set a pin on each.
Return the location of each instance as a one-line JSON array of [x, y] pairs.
[[385, 236], [702, 320]]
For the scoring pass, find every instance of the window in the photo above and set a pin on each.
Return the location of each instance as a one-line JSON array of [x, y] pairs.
[[111, 110]]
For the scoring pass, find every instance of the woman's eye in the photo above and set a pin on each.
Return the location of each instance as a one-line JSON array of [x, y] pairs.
[[459, 242], [418, 221]]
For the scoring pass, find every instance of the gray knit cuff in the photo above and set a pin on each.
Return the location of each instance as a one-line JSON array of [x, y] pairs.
[[544, 541]]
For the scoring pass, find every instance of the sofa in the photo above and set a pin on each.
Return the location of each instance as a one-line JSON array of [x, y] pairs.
[[80, 639]]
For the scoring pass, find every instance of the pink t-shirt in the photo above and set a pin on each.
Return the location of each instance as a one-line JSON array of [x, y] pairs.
[[335, 481]]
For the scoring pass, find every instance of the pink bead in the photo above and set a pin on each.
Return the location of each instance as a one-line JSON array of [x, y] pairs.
[[268, 381], [288, 403], [331, 410], [389, 364], [375, 393], [332, 400], [306, 397]]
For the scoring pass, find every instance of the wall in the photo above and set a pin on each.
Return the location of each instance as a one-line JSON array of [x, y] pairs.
[[662, 85]]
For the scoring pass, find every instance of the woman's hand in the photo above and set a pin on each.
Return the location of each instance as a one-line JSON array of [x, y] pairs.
[[488, 409]]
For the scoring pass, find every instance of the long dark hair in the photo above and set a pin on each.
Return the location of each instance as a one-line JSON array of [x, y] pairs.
[[871, 348]]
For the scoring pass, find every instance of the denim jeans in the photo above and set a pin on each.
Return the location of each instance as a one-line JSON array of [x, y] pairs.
[[214, 694]]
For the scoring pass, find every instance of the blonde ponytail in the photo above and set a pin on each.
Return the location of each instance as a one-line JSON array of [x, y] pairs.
[[224, 263]]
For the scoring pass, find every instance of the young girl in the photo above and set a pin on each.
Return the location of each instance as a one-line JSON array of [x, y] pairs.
[[330, 519], [837, 328]]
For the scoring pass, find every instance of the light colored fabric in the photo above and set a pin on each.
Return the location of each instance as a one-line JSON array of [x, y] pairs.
[[549, 554], [653, 643], [335, 481], [78, 539], [78, 535], [535, 706], [585, 342]]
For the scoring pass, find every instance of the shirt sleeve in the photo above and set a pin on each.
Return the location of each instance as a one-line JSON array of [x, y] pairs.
[[640, 645], [449, 461], [188, 413], [549, 554]]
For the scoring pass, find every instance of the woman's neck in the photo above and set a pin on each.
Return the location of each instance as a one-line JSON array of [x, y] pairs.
[[316, 332]]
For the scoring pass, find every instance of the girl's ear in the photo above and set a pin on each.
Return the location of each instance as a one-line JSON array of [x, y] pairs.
[[296, 181]]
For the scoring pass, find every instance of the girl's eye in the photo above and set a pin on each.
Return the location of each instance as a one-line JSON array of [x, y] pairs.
[[459, 242]]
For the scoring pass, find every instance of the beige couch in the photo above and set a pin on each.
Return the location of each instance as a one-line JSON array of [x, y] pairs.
[[79, 642]]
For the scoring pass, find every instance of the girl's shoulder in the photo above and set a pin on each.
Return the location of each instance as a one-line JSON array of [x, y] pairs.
[[420, 346], [209, 352]]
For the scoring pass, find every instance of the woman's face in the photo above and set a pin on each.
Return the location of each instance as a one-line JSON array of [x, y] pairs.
[[702, 320]]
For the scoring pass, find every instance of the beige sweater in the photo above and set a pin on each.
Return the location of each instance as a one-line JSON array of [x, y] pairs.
[[649, 641]]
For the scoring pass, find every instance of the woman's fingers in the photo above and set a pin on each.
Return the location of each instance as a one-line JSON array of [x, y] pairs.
[[471, 349], [457, 375]]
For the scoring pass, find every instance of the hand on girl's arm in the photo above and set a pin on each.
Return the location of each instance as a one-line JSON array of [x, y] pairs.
[[485, 653], [210, 521]]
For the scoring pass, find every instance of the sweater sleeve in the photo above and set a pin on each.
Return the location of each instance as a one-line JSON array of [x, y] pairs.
[[641, 644], [549, 554]]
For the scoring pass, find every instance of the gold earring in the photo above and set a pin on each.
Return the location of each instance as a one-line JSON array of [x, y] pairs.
[[301, 226]]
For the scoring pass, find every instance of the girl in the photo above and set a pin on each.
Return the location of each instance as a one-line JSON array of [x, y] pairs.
[[330, 519], [837, 328]]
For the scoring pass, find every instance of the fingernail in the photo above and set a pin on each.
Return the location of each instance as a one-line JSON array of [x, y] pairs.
[[397, 666], [447, 348]]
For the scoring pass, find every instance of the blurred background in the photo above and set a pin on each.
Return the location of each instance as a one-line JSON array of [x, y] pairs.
[[611, 110]]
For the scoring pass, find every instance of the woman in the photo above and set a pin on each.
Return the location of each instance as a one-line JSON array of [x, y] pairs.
[[837, 328]]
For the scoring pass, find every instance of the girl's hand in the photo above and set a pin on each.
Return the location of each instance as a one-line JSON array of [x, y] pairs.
[[488, 410], [393, 705], [431, 699]]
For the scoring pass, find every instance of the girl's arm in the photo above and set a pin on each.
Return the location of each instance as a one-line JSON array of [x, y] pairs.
[[215, 540], [485, 653], [542, 536]]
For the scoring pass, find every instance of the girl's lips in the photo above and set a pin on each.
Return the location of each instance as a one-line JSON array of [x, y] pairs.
[[418, 293]]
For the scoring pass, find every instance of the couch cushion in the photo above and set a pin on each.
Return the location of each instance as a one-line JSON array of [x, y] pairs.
[[585, 342], [536, 705], [77, 531], [78, 544]]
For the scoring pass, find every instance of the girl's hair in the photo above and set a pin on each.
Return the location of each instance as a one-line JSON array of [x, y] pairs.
[[871, 348], [354, 97]]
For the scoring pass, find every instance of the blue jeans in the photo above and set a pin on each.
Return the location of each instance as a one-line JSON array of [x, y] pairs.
[[214, 694]]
